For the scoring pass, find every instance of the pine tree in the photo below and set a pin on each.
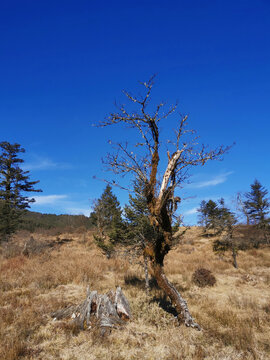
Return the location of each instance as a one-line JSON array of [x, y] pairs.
[[211, 216], [217, 217], [208, 214], [139, 230], [137, 215], [257, 204], [227, 220], [14, 183], [108, 215]]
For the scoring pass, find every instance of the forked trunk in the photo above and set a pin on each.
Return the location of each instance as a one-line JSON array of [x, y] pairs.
[[180, 304], [161, 208], [156, 252]]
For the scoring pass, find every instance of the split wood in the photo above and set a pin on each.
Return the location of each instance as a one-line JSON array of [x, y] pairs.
[[111, 310]]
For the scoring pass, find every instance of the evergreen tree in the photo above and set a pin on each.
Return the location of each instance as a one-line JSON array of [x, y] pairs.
[[139, 230], [257, 204], [108, 216], [209, 215], [217, 217], [227, 218], [137, 216], [227, 241], [14, 183], [214, 216]]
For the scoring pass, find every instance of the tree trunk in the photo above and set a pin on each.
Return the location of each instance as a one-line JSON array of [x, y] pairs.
[[147, 286], [180, 304], [161, 222], [234, 254]]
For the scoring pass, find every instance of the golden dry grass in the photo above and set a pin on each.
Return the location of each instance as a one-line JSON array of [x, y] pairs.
[[234, 314]]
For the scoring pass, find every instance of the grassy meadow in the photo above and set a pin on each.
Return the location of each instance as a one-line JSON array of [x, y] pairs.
[[234, 314]]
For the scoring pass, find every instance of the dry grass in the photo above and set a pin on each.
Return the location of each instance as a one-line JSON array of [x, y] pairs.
[[234, 314]]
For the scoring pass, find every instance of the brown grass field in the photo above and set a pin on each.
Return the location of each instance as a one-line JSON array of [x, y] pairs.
[[234, 313]]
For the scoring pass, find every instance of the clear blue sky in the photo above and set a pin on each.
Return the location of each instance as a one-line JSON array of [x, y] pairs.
[[64, 63]]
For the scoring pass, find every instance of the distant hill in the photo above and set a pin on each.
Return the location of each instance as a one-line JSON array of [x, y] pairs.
[[34, 220]]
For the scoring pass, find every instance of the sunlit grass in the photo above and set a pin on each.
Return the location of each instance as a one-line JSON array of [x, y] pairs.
[[234, 313]]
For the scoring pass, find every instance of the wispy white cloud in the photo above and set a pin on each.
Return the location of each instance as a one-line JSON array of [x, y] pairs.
[[191, 211], [48, 199], [43, 164], [40, 163], [78, 211], [219, 179], [61, 204]]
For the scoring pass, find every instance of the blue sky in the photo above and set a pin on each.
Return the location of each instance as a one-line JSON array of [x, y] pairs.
[[64, 63]]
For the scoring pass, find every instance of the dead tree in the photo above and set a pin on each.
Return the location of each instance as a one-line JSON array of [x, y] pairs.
[[144, 162], [241, 207]]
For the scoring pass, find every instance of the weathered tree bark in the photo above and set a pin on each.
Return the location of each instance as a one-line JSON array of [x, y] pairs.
[[157, 256], [161, 219], [111, 310], [180, 304]]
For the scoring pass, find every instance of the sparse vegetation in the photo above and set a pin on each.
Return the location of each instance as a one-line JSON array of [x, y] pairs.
[[47, 269], [234, 314]]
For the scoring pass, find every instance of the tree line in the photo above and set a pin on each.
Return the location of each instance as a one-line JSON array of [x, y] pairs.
[[131, 225], [15, 184], [219, 221], [33, 221]]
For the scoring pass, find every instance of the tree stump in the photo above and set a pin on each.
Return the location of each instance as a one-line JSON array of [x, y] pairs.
[[111, 310]]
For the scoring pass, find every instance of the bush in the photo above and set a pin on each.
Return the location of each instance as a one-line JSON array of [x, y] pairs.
[[203, 277]]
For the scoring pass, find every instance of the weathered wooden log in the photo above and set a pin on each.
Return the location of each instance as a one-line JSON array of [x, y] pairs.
[[110, 310]]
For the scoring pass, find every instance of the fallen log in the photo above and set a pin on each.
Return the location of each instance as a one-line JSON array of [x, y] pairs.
[[110, 310]]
